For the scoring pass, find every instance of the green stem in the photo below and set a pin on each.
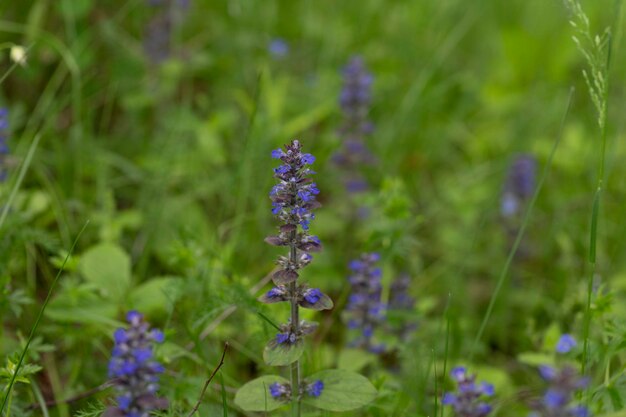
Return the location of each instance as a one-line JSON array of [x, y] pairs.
[[10, 401]]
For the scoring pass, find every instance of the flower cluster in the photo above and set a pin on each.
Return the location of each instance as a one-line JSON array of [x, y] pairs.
[[563, 383], [467, 400], [134, 370], [519, 186], [557, 400], [294, 198], [282, 391], [365, 309], [355, 99], [4, 147], [401, 302]]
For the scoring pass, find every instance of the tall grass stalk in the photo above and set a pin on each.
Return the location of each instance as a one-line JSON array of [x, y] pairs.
[[520, 232], [9, 387], [597, 53]]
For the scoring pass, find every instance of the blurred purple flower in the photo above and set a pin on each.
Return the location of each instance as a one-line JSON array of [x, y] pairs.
[[278, 48], [519, 185], [467, 400]]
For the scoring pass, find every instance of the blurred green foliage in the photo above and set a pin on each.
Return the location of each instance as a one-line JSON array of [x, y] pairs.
[[169, 161]]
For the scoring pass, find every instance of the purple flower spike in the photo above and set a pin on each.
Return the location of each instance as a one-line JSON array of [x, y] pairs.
[[355, 101], [364, 303], [133, 368], [519, 185], [294, 199]]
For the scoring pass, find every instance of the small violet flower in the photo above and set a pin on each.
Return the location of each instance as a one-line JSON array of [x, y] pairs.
[[133, 368], [315, 389], [281, 392], [566, 343], [278, 48], [467, 401]]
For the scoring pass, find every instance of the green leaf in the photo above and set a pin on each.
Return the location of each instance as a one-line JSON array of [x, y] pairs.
[[354, 359], [282, 355], [108, 267], [621, 413], [155, 296], [255, 396], [343, 390], [536, 359]]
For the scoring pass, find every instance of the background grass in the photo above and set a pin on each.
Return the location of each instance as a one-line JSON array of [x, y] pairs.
[[170, 164]]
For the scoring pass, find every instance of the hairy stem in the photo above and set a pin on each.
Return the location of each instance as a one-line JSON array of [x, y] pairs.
[[295, 327]]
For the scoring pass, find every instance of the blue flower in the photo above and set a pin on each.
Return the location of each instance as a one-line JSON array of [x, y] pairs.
[[566, 343], [308, 159], [278, 48], [312, 295], [286, 338], [277, 153], [315, 389], [280, 391]]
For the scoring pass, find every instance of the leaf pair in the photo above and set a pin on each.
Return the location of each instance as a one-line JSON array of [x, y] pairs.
[[343, 391]]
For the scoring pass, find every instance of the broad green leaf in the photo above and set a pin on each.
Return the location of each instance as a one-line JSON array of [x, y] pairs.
[[255, 396], [282, 355], [154, 296], [343, 390], [108, 267], [354, 359]]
